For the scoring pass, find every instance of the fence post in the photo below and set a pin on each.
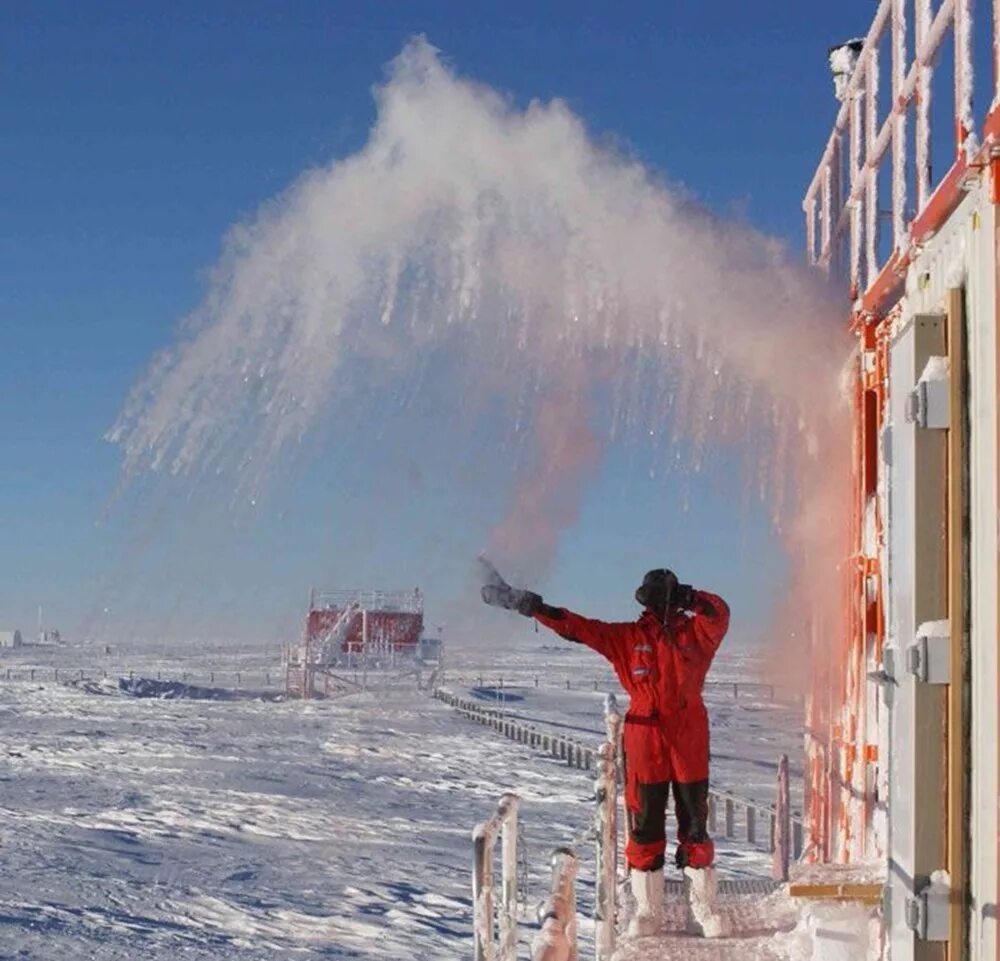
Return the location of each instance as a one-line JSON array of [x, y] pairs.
[[730, 816], [557, 939], [504, 822], [508, 877], [751, 823], [782, 812], [713, 814], [606, 834]]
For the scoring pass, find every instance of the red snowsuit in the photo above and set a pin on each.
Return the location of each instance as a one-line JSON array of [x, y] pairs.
[[662, 668]]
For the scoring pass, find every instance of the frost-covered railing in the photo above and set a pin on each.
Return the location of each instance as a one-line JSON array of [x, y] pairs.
[[557, 939], [502, 825], [606, 831], [842, 207], [781, 830], [395, 602]]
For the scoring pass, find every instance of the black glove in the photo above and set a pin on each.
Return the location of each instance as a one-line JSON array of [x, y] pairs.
[[682, 598], [524, 602], [498, 593]]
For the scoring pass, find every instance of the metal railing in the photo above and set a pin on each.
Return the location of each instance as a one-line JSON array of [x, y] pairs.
[[394, 602], [842, 203], [740, 690], [502, 825], [606, 831], [557, 940]]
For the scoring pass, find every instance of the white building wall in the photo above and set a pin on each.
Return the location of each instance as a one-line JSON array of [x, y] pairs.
[[982, 335], [963, 254]]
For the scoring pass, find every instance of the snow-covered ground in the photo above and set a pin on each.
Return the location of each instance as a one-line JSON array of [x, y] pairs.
[[148, 828]]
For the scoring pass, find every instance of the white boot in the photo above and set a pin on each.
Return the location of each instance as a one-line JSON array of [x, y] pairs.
[[647, 889], [702, 917]]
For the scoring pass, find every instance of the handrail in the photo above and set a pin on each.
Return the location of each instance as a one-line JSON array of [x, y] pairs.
[[393, 602], [843, 213], [606, 831], [782, 825], [557, 940], [484, 837]]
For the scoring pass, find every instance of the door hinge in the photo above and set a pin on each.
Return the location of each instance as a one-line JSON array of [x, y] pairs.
[[929, 656], [928, 405], [928, 911]]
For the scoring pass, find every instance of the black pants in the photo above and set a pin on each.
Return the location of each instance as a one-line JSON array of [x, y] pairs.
[[648, 824]]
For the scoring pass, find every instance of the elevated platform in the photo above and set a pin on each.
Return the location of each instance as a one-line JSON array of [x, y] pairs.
[[758, 922]]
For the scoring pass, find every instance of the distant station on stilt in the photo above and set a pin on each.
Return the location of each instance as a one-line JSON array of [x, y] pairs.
[[351, 633]]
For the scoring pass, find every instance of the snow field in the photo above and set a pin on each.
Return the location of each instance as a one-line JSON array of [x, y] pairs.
[[243, 830]]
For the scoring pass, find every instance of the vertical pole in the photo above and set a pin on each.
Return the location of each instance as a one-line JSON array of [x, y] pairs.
[[613, 732], [925, 72], [570, 882], [825, 215], [857, 171], [364, 649], [899, 123], [963, 75], [959, 727], [871, 187], [809, 208], [482, 895], [606, 834], [782, 834], [508, 847], [996, 52]]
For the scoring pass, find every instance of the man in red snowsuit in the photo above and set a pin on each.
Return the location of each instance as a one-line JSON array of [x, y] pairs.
[[661, 661]]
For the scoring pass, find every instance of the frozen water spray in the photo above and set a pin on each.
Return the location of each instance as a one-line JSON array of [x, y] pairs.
[[569, 287]]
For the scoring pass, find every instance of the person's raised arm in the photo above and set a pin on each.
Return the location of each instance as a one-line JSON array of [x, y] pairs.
[[600, 636], [710, 615]]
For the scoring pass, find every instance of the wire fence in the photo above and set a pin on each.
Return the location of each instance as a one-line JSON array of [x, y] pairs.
[[252, 680], [738, 690], [730, 814]]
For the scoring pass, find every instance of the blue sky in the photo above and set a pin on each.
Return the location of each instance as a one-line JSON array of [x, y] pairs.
[[134, 135]]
